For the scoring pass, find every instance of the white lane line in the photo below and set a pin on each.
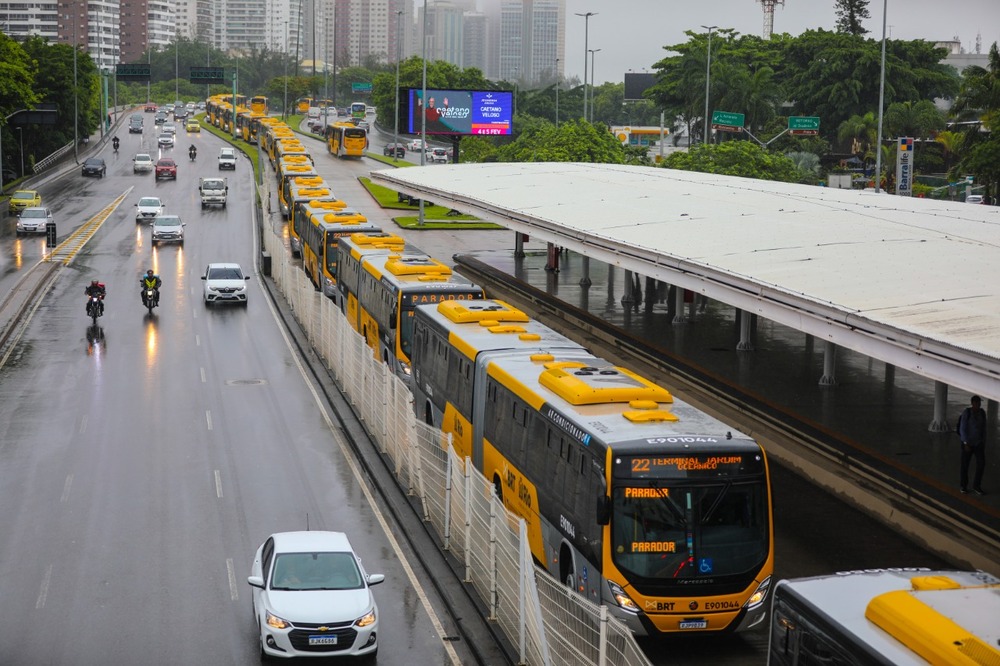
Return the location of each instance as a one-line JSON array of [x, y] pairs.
[[83, 424], [44, 592], [66, 486], [233, 592], [197, 340], [203, 379], [208, 418], [218, 484], [363, 484]]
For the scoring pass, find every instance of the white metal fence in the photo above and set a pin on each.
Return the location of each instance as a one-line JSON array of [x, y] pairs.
[[546, 622]]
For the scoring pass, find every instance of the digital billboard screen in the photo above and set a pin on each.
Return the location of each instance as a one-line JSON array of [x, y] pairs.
[[469, 112]]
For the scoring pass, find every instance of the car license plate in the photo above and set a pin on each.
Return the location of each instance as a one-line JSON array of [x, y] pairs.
[[694, 624], [322, 640]]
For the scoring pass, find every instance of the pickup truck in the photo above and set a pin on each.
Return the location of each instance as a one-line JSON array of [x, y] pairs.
[[213, 190]]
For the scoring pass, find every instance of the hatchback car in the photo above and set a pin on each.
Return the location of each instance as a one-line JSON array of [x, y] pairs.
[[225, 283], [33, 220], [974, 199], [166, 168], [165, 140], [23, 199], [142, 163], [192, 125], [311, 597], [168, 229], [148, 208], [416, 144], [169, 127], [95, 166], [394, 149], [160, 118], [438, 155]]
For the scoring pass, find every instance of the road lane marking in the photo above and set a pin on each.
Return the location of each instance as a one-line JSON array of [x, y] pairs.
[[83, 424], [234, 594], [66, 486], [44, 592], [218, 484], [197, 340], [208, 417], [203, 379]]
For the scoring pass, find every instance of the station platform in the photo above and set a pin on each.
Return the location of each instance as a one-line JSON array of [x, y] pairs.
[[872, 411]]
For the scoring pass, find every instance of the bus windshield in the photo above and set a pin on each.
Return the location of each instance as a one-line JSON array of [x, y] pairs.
[[661, 532]]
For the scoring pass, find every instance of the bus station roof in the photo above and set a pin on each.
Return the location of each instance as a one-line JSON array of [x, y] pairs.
[[913, 282]]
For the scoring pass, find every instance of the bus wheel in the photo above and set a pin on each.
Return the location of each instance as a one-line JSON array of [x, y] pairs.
[[566, 569], [498, 487]]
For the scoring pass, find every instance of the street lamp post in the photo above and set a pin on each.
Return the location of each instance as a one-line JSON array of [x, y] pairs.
[[586, 36], [395, 131], [708, 74], [423, 108], [177, 69], [592, 69], [557, 92], [881, 104], [284, 108]]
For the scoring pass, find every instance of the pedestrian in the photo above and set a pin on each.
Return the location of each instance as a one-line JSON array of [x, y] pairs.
[[972, 432]]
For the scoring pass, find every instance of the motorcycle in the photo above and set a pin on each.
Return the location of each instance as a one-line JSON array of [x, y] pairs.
[[114, 144], [192, 153], [150, 298], [95, 308]]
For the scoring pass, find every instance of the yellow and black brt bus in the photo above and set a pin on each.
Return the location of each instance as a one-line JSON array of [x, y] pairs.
[[631, 497], [325, 226], [300, 196], [258, 104], [346, 140]]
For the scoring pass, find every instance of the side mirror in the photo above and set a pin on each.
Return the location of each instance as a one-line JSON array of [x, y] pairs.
[[256, 581]]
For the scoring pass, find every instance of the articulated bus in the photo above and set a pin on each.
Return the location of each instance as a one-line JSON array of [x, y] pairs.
[[271, 134], [287, 147], [258, 104], [898, 617], [358, 110], [680, 537], [346, 140], [302, 104], [282, 135], [293, 184], [287, 170], [320, 237], [391, 286], [300, 198], [351, 251]]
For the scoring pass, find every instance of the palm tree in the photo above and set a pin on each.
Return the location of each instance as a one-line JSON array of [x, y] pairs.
[[862, 133], [979, 99], [914, 119], [951, 142]]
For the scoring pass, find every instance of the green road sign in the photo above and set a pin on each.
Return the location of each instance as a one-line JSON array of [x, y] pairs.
[[205, 75], [361, 87], [726, 121], [807, 125], [127, 72]]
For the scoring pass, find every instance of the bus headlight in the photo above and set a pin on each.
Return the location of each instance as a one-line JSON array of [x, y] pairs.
[[621, 598], [759, 595]]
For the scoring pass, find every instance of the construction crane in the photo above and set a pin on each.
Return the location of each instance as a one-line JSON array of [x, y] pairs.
[[768, 6]]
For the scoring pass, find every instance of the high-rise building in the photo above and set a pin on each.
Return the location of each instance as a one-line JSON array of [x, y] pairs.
[[476, 41], [532, 39]]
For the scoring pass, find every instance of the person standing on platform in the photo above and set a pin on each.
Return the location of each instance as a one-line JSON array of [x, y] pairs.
[[972, 432]]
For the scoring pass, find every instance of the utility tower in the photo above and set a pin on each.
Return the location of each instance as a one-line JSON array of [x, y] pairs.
[[768, 6]]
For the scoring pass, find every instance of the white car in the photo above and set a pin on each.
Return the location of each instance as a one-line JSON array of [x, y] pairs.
[[227, 158], [165, 140], [312, 598], [170, 127], [416, 144], [168, 229], [142, 163], [225, 283], [148, 208], [974, 199], [33, 220], [438, 155]]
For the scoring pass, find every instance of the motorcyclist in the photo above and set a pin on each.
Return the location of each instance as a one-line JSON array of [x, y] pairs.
[[97, 288], [192, 151], [114, 143], [150, 281]]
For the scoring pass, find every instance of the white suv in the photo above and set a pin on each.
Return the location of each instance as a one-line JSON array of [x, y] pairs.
[[147, 209], [142, 163], [227, 158]]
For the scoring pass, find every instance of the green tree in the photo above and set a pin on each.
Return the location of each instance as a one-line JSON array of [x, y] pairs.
[[736, 158], [858, 134], [979, 99], [572, 141], [919, 119], [850, 13], [440, 76], [951, 143]]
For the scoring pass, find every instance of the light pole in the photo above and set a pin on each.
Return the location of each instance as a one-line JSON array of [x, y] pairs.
[[177, 69], [592, 68], [284, 107], [708, 74], [423, 109], [76, 100], [586, 36], [881, 103], [395, 131], [557, 92]]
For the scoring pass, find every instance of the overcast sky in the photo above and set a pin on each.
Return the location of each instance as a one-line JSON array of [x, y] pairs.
[[632, 33]]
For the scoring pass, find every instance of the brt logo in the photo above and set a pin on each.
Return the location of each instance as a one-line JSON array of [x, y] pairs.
[[660, 605]]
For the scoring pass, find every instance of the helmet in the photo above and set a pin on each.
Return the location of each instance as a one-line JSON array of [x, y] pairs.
[[94, 282], [150, 272]]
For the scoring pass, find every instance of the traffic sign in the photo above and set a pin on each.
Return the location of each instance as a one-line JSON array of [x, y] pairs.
[[361, 87], [803, 125], [132, 72], [205, 75], [726, 121]]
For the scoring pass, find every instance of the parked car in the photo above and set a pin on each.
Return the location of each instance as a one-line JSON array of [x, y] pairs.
[[439, 155], [225, 283], [22, 199], [192, 125], [313, 579], [167, 229], [227, 158], [166, 168], [142, 163], [95, 166], [33, 220], [148, 208], [165, 140], [394, 149]]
